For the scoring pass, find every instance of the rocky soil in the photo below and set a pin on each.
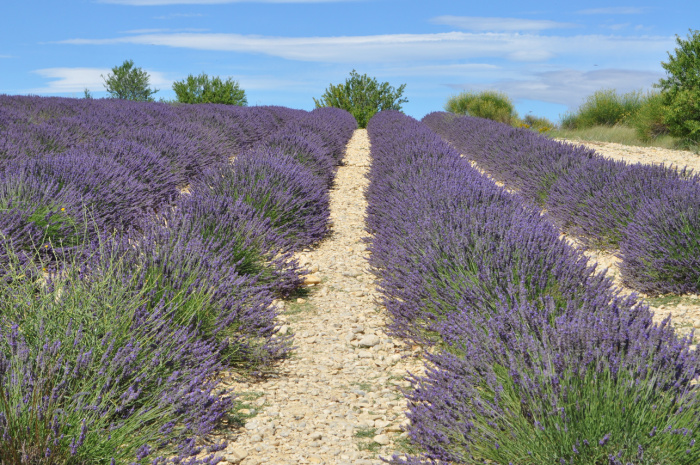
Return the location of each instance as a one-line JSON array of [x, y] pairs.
[[337, 400]]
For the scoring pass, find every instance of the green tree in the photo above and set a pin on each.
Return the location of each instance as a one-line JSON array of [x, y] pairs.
[[362, 96], [681, 88], [202, 89], [129, 83]]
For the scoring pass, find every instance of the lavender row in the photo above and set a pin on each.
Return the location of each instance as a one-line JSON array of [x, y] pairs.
[[533, 356], [114, 359], [650, 214]]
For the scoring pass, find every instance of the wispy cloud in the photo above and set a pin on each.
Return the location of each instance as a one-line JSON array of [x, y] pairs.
[[477, 23], [393, 48], [568, 86], [156, 31], [70, 80], [614, 10], [179, 15], [6, 56], [209, 2], [454, 69], [615, 27]]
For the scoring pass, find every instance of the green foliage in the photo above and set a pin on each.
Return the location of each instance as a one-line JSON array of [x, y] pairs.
[[606, 415], [128, 83], [683, 115], [537, 123], [605, 108], [620, 134], [683, 68], [488, 104], [87, 94], [681, 88], [202, 89], [362, 96], [78, 314], [650, 121]]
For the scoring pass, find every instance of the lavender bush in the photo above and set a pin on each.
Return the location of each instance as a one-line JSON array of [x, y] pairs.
[[537, 357], [592, 197], [661, 249], [121, 299], [237, 233], [88, 374], [279, 187], [527, 386]]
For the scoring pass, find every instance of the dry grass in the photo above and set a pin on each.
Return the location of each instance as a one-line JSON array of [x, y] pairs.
[[619, 134]]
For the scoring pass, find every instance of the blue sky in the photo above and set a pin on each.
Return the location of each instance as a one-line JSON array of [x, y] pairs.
[[546, 55]]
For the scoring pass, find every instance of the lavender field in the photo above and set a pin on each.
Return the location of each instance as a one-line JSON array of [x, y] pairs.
[[145, 248], [142, 248], [533, 356]]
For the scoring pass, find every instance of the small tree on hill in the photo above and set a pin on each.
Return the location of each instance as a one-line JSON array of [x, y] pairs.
[[362, 96], [202, 89], [129, 83], [681, 88]]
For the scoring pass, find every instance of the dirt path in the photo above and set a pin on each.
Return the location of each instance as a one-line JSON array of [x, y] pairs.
[[337, 400], [650, 155]]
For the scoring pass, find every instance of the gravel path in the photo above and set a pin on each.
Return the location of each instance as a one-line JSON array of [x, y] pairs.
[[651, 155], [337, 400]]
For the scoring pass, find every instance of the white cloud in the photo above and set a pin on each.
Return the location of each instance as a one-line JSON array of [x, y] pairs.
[[209, 2], [615, 27], [454, 69], [69, 80], [408, 47], [156, 31], [613, 10], [179, 15], [476, 23], [6, 56], [568, 86]]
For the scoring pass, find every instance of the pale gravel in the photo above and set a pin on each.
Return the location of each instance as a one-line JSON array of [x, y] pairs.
[[345, 373]]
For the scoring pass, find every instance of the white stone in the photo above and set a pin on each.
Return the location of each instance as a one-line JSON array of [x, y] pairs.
[[236, 455], [369, 340], [382, 439]]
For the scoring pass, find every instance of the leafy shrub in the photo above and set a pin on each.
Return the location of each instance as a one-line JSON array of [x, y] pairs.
[[362, 96], [605, 108], [202, 89], [650, 121], [683, 115], [681, 89], [537, 123], [129, 83], [488, 104]]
